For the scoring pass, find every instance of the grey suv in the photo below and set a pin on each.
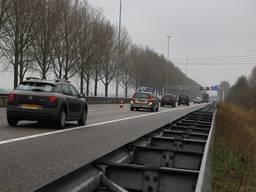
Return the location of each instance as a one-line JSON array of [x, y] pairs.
[[57, 101]]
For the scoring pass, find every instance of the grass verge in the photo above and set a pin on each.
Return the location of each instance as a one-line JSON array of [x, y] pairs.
[[234, 158]]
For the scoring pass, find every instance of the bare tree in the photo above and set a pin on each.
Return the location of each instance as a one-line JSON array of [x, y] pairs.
[[125, 74], [16, 42], [109, 67], [126, 66], [5, 6], [86, 45], [48, 21], [99, 49], [4, 14], [65, 56]]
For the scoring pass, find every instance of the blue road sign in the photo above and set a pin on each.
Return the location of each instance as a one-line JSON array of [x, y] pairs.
[[215, 88]]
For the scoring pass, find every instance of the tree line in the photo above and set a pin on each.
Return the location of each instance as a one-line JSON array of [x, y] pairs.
[[243, 92], [67, 39]]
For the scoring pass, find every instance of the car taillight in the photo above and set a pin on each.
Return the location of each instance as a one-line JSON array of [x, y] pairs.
[[52, 99], [132, 100], [11, 98], [150, 101]]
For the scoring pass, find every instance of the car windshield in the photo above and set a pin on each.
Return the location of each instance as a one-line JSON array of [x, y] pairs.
[[36, 86], [183, 96], [141, 96]]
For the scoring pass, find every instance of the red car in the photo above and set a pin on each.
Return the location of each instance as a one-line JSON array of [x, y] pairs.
[[168, 99]]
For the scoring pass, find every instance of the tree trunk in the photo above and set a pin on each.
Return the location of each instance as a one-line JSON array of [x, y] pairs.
[[66, 74], [16, 66], [82, 82], [117, 86], [21, 71], [126, 91], [87, 84], [96, 86], [106, 90], [44, 69], [15, 80]]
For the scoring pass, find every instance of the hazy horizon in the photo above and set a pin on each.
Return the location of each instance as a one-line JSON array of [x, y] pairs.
[[204, 31]]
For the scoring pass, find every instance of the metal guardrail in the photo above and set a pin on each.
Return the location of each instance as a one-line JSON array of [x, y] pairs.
[[106, 100], [172, 158], [90, 100], [204, 182]]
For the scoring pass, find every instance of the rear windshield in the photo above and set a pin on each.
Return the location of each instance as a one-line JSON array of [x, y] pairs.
[[141, 96], [36, 86], [183, 96]]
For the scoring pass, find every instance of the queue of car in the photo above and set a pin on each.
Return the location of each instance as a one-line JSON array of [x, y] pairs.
[[148, 101], [58, 101]]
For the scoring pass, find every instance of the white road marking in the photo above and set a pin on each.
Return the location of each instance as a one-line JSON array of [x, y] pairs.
[[82, 127], [91, 110]]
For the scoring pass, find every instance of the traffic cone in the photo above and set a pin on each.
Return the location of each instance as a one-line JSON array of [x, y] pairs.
[[121, 104]]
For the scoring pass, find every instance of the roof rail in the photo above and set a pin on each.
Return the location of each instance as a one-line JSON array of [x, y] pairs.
[[62, 80], [29, 78]]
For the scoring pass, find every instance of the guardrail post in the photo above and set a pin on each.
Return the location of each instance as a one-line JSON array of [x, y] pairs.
[[204, 182]]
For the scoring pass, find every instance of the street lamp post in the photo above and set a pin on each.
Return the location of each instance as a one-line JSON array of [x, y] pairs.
[[168, 58], [119, 39]]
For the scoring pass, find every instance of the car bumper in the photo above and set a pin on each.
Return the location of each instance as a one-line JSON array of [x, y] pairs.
[[142, 106], [32, 114], [183, 102], [168, 102]]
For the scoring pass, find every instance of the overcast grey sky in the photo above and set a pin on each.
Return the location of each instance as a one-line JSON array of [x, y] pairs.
[[199, 28]]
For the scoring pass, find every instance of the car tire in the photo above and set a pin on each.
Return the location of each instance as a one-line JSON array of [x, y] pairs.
[[62, 119], [12, 121], [162, 105], [132, 108], [157, 109], [137, 109], [174, 105], [83, 119]]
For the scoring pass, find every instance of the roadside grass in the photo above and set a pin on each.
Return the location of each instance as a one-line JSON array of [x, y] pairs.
[[234, 157]]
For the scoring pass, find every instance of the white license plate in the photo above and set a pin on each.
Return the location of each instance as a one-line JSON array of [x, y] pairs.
[[141, 101], [30, 106]]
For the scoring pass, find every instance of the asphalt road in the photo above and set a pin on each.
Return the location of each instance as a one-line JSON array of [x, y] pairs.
[[96, 114], [32, 155]]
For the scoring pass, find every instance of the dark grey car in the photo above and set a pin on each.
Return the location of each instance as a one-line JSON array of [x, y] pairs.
[[57, 101], [183, 99]]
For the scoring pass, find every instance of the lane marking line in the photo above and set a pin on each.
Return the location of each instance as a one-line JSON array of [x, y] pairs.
[[90, 125], [92, 110]]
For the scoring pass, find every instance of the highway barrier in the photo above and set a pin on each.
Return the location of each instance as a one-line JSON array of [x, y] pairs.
[[175, 157], [90, 100]]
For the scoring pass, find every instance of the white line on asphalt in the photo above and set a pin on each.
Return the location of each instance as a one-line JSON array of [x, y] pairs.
[[82, 127]]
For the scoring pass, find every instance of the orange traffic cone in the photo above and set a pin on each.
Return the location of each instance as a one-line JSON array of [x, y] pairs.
[[121, 104]]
